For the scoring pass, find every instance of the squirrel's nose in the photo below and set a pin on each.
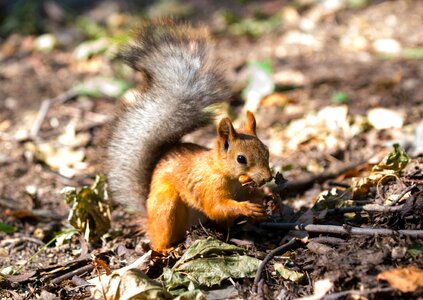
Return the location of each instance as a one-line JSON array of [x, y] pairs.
[[267, 179]]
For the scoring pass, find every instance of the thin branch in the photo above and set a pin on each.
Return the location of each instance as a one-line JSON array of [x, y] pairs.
[[44, 107], [342, 229], [339, 184], [412, 180], [17, 241], [279, 250], [42, 113], [79, 271], [405, 191]]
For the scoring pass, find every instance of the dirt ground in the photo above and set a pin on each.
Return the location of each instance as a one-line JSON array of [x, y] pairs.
[[324, 55]]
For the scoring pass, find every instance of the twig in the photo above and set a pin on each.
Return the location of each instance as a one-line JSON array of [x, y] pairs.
[[260, 292], [279, 250], [342, 294], [42, 112], [405, 191], [412, 180], [342, 229], [42, 249], [20, 240], [368, 207], [339, 184], [81, 270]]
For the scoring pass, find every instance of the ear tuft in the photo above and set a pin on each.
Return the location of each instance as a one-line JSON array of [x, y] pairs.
[[250, 123]]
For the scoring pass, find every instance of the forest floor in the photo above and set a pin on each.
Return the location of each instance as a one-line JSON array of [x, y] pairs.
[[347, 87]]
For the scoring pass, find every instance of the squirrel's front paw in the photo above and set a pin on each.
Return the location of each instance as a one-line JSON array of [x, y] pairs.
[[254, 210]]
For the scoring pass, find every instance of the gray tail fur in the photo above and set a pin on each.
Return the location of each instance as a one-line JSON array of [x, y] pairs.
[[180, 81]]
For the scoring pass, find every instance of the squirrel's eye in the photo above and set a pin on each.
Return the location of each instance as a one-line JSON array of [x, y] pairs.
[[241, 159]]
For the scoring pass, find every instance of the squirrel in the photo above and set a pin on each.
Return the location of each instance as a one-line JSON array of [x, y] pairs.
[[173, 184]]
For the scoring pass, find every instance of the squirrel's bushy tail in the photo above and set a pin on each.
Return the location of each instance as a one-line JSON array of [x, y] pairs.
[[180, 81]]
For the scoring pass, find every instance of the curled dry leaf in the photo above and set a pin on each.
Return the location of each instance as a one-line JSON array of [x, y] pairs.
[[406, 279], [132, 284], [390, 167], [111, 283]]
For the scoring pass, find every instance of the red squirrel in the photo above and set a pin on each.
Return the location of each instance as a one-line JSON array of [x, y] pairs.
[[173, 183]]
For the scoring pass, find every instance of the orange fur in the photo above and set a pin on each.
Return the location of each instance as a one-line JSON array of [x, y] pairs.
[[190, 182]]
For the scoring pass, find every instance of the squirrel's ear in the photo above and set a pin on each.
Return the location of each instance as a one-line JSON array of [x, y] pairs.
[[226, 130], [250, 123]]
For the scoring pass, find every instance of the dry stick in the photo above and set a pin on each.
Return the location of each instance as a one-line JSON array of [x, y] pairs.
[[279, 250], [339, 184], [42, 112], [342, 229], [405, 191], [412, 180], [20, 240], [368, 207], [81, 270]]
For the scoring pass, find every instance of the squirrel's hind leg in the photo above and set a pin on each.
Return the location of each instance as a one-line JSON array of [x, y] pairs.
[[167, 216]]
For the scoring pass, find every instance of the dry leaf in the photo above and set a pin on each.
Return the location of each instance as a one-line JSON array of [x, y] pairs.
[[275, 99], [405, 279], [288, 274], [382, 118], [320, 288]]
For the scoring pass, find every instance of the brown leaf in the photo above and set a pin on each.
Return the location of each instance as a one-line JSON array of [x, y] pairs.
[[405, 279]]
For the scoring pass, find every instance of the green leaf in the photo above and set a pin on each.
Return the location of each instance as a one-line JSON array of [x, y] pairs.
[[101, 87], [134, 284], [191, 295], [288, 274], [7, 228], [412, 53], [357, 3], [415, 250], [90, 209], [206, 263], [396, 160], [207, 247], [175, 282], [339, 97], [88, 49], [260, 82], [212, 271], [265, 65], [90, 27]]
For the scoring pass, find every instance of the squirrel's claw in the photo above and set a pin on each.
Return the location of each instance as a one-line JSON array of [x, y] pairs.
[[254, 210]]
